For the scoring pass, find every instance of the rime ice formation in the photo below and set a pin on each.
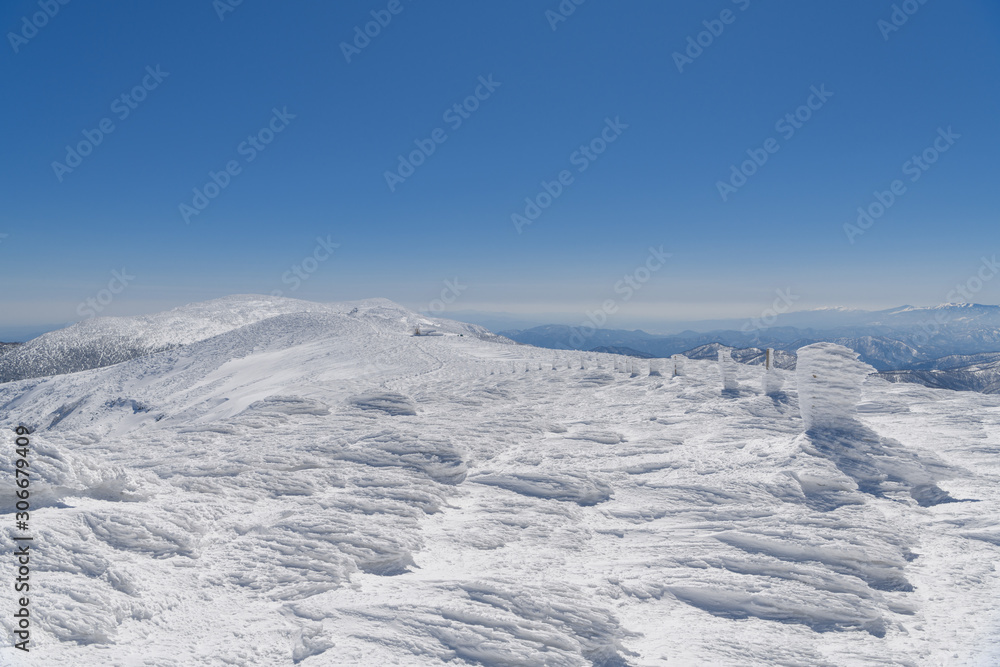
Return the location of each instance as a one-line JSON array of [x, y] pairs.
[[727, 369], [774, 378], [829, 379], [678, 364]]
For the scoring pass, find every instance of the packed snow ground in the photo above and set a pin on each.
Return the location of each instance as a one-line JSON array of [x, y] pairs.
[[324, 488]]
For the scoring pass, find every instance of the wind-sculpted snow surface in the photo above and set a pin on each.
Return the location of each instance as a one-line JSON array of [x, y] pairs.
[[434, 456], [578, 488], [58, 473], [320, 487], [389, 403]]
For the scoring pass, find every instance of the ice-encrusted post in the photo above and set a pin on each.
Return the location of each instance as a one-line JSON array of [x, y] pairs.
[[829, 379], [655, 367], [773, 377], [678, 360], [727, 369], [636, 368]]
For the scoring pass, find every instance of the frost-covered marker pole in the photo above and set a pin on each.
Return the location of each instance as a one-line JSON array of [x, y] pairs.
[[773, 378], [678, 360], [20, 464], [727, 369]]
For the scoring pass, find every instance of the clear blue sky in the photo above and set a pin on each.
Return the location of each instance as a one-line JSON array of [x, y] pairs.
[[323, 175]]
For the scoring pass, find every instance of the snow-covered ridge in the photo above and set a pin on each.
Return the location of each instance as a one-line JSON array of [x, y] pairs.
[[105, 341], [941, 306]]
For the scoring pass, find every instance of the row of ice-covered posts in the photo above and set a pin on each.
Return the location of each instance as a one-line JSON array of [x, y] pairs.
[[665, 367], [828, 377], [618, 363]]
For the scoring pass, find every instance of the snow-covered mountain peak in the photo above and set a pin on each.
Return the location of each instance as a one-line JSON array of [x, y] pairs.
[[105, 341]]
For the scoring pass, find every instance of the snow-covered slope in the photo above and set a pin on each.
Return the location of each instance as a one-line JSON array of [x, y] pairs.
[[105, 341], [324, 488]]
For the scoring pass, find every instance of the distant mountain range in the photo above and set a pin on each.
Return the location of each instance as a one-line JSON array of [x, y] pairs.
[[894, 339], [974, 372], [951, 346], [752, 356]]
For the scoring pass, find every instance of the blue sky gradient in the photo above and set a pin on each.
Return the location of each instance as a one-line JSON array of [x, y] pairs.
[[323, 175]]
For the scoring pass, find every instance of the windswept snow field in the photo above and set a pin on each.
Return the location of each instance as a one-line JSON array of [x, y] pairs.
[[276, 482]]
